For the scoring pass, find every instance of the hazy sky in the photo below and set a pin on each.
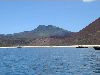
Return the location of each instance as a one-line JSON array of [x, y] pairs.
[[18, 16]]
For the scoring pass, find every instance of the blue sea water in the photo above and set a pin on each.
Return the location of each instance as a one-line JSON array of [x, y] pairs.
[[49, 61]]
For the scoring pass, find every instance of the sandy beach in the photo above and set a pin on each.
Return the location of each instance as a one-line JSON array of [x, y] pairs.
[[73, 46]]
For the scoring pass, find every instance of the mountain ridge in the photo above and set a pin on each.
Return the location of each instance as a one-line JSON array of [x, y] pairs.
[[90, 34], [52, 35], [43, 31]]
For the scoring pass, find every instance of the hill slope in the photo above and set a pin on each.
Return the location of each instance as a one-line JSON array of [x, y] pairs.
[[37, 36], [43, 31], [90, 34], [52, 35]]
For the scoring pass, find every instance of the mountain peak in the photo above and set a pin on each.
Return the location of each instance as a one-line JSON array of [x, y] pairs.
[[45, 26], [48, 27], [45, 31], [41, 25]]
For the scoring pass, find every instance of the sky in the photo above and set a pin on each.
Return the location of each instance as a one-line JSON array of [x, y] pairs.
[[72, 15]]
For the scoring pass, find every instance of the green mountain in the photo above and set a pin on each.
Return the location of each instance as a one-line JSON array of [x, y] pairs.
[[36, 35], [43, 31]]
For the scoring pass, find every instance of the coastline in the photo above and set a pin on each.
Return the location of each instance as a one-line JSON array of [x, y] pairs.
[[71, 46]]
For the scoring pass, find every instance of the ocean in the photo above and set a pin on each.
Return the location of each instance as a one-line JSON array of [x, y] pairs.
[[49, 61]]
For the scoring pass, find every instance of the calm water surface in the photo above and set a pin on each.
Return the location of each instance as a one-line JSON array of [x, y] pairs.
[[49, 61]]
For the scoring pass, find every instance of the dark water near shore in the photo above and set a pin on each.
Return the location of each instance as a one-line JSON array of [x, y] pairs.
[[49, 61]]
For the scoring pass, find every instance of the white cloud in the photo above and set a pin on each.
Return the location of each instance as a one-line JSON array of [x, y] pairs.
[[88, 0]]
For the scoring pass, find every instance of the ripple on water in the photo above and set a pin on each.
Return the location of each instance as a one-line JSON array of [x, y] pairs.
[[49, 61]]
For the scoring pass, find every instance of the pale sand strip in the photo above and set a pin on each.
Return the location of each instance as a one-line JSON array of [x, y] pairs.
[[73, 46]]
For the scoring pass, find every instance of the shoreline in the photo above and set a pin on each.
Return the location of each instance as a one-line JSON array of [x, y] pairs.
[[71, 46]]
